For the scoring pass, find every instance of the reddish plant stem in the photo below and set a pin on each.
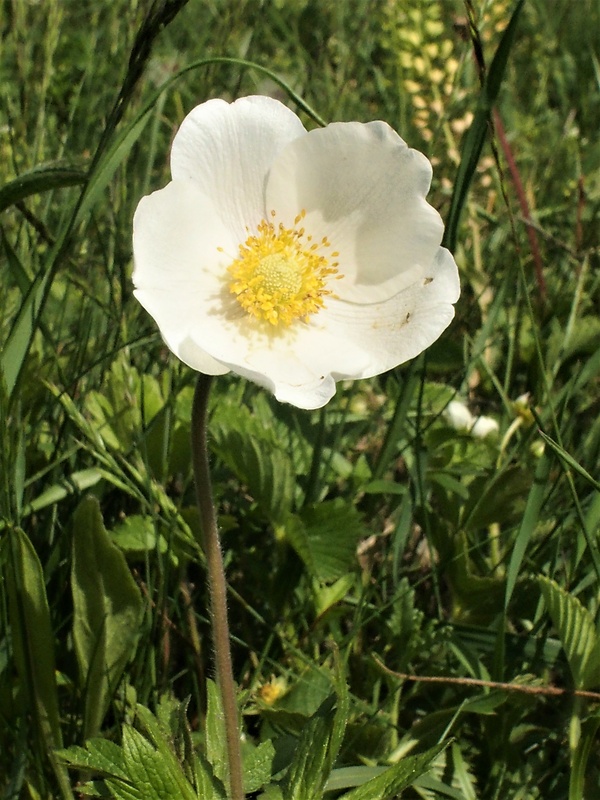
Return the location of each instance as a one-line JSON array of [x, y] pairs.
[[522, 198]]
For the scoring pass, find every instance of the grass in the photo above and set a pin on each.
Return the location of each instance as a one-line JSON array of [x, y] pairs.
[[368, 545]]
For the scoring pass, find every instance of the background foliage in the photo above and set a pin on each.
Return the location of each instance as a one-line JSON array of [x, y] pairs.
[[367, 545]]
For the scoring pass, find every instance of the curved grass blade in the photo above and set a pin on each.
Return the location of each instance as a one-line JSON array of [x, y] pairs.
[[475, 136], [39, 180], [33, 644]]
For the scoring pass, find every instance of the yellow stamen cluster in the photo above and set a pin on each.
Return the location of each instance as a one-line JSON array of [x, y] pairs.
[[280, 276]]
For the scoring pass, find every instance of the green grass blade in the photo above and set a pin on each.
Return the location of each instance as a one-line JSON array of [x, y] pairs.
[[581, 756], [33, 644], [475, 136], [533, 507], [39, 180], [569, 461]]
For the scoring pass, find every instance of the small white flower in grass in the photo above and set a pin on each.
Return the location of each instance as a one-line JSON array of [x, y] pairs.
[[293, 258], [484, 427], [460, 418]]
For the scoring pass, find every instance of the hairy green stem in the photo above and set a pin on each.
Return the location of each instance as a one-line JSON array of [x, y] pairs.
[[217, 585]]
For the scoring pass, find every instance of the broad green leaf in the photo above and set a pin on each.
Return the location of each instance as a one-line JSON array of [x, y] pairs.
[[33, 643], [40, 179], [137, 535], [385, 487], [394, 780], [272, 793], [145, 767], [577, 632], [330, 594], [107, 612], [325, 537]]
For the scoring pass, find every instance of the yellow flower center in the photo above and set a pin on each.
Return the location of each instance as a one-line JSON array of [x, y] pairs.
[[281, 274]]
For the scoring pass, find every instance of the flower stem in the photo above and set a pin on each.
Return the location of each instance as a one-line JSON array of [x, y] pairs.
[[217, 585]]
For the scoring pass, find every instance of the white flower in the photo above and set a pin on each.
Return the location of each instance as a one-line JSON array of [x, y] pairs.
[[483, 427], [460, 418], [294, 259]]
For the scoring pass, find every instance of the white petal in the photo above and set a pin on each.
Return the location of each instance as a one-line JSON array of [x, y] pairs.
[[483, 427], [364, 189], [176, 236], [458, 416], [228, 149], [396, 330]]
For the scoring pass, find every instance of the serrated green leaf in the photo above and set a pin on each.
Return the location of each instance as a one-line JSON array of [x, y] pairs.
[[107, 611], [216, 738], [310, 767], [163, 740], [99, 755], [208, 787], [577, 632], [257, 766], [153, 775], [397, 778], [325, 538], [252, 453]]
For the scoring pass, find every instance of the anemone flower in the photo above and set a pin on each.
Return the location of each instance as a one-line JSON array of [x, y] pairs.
[[295, 259]]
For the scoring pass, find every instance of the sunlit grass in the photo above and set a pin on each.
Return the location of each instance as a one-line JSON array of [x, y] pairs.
[[374, 529]]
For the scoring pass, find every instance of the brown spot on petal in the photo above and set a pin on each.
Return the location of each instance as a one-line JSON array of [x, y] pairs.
[[427, 280]]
